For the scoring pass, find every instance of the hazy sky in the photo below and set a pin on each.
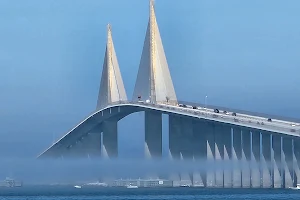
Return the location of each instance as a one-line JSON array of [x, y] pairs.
[[242, 54]]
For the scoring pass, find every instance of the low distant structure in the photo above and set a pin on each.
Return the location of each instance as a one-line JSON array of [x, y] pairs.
[[141, 183], [9, 182]]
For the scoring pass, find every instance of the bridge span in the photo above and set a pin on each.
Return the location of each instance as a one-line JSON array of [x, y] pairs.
[[261, 152], [193, 134]]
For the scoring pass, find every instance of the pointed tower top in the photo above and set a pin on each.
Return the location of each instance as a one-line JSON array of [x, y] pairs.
[[152, 3], [154, 82], [152, 17], [111, 86], [108, 29]]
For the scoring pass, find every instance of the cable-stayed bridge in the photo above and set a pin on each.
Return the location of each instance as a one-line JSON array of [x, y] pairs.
[[269, 147]]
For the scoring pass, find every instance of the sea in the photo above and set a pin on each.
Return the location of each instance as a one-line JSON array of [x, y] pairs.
[[106, 193]]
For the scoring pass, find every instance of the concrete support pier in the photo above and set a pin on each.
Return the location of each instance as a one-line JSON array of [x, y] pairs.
[[153, 134], [277, 165], [296, 145], [246, 158], [236, 158], [227, 162], [110, 139], [186, 141], [91, 143], [186, 147], [200, 151], [210, 164], [181, 137], [287, 146], [88, 146], [255, 160], [219, 155], [174, 137], [266, 160]]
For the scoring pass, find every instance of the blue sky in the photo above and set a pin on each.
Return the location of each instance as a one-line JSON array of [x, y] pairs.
[[242, 54]]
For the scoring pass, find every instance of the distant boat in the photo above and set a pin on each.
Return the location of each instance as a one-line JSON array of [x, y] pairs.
[[295, 188], [77, 186], [185, 185], [132, 186]]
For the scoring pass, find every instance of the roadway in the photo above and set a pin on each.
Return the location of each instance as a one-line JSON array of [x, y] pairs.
[[244, 120], [249, 118], [257, 122]]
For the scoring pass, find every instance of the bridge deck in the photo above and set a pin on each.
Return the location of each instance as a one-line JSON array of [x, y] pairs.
[[256, 122], [244, 120]]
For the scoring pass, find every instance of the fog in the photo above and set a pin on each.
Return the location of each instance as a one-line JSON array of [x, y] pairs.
[[32, 171]]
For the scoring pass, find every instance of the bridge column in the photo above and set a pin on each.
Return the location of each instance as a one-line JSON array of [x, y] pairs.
[[110, 139], [187, 147], [236, 157], [266, 160], [227, 138], [246, 158], [174, 144], [219, 154], [210, 149], [181, 142], [255, 160], [296, 145], [153, 134], [200, 152], [287, 146], [174, 137], [88, 146], [277, 165]]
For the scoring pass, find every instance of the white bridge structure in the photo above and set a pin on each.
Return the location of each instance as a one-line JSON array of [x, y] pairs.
[[263, 152]]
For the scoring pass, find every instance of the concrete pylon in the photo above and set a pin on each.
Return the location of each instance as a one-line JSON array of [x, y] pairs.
[[111, 86], [154, 81]]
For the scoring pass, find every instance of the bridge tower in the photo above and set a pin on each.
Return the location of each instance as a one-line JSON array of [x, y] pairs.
[[111, 86], [153, 84], [111, 91], [154, 81]]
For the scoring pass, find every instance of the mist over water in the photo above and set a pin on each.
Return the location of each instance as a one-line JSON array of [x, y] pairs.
[[34, 171], [68, 171]]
